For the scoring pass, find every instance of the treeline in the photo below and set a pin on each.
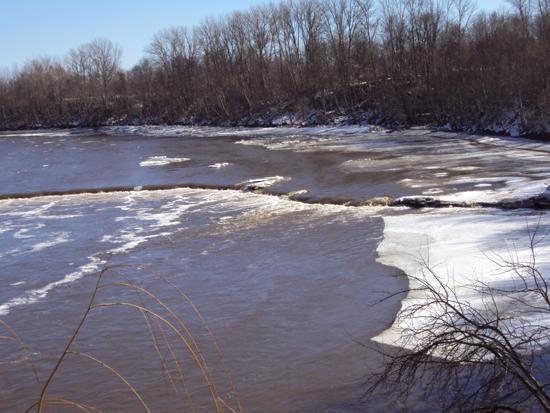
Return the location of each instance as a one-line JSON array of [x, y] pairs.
[[394, 62]]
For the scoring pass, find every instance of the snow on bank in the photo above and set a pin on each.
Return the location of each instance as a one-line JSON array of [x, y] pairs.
[[461, 247], [161, 161], [54, 133]]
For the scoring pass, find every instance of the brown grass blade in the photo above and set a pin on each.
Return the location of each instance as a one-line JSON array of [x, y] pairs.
[[206, 376], [66, 402], [116, 373]]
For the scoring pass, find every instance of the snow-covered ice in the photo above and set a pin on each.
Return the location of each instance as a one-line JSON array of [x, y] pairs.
[[462, 248]]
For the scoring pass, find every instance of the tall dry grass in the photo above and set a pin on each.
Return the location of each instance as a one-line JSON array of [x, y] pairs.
[[172, 339]]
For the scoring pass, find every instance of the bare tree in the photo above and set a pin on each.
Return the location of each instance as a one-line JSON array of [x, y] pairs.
[[104, 60], [175, 51], [406, 61], [463, 11], [484, 355]]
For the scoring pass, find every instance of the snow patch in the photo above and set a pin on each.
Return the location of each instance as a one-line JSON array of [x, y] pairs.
[[461, 247]]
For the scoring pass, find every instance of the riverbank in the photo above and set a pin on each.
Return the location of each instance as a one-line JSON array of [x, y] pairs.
[[509, 124]]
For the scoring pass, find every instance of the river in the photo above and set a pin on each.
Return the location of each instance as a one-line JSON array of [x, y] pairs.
[[279, 289]]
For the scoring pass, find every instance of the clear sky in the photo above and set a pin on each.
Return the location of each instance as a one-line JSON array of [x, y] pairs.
[[31, 28]]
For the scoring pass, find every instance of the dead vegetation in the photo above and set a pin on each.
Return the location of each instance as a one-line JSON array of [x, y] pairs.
[[182, 353], [485, 353]]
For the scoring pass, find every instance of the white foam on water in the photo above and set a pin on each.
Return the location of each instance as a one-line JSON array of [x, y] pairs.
[[264, 182], [371, 165], [66, 216], [31, 212], [32, 296], [219, 165], [432, 191], [11, 252], [6, 227], [143, 224], [462, 247], [162, 160], [131, 240], [464, 168], [59, 238], [484, 179], [125, 240], [168, 214], [25, 232]]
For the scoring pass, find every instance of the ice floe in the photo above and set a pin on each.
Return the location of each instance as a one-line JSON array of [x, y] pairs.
[[162, 160]]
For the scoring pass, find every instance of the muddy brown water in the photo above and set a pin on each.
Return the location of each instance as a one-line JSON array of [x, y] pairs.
[[287, 289]]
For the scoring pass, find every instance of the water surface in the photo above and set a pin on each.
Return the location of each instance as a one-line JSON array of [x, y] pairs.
[[287, 289]]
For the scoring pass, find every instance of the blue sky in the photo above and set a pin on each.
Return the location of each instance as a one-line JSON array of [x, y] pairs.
[[30, 28]]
